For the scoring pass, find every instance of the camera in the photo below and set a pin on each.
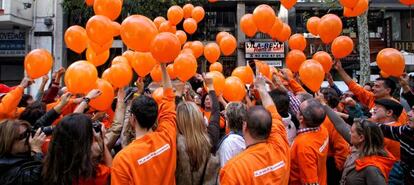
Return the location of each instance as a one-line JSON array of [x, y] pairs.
[[46, 130], [97, 126]]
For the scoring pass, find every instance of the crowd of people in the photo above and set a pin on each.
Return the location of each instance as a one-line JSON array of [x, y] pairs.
[[280, 134]]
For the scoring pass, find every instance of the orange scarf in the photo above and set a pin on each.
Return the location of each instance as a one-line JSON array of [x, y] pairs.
[[384, 164]]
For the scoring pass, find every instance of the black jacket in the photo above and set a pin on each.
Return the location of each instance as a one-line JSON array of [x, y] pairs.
[[21, 170]]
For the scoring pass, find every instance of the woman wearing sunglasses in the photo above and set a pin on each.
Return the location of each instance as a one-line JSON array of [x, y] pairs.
[[20, 153], [369, 162]]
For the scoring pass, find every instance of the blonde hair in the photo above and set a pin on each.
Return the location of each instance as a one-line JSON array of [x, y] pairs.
[[190, 123], [9, 132]]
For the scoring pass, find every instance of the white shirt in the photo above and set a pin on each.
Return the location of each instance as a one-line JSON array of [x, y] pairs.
[[231, 146], [290, 129]]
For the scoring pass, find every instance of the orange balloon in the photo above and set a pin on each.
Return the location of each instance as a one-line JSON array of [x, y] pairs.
[[220, 36], [276, 28], [76, 38], [187, 45], [158, 94], [104, 101], [96, 59], [156, 73], [244, 73], [95, 27], [143, 64], [198, 13], [170, 70], [175, 14], [264, 17], [89, 2], [348, 3], [120, 60], [228, 44], [105, 75], [188, 51], [109, 8], [329, 28], [38, 63], [247, 25], [218, 81], [235, 89], [407, 2], [312, 25], [188, 10], [311, 73], [217, 66], [80, 77], [182, 36], [190, 25], [288, 4], [185, 66], [120, 75], [137, 32], [130, 56], [158, 21], [358, 10], [116, 28], [297, 41], [342, 46], [324, 59], [284, 33], [165, 47], [197, 47], [167, 27], [263, 68], [212, 1], [98, 48], [391, 61], [212, 52], [294, 60], [384, 75]]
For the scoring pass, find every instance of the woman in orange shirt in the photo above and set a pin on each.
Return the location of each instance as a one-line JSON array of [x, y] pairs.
[[70, 158]]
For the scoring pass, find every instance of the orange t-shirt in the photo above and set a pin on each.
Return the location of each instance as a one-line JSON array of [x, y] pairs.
[[309, 153], [222, 121], [338, 147], [152, 158], [393, 146], [295, 86], [102, 176], [262, 163], [368, 99]]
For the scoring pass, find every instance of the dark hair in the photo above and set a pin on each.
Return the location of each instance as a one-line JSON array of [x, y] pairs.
[[145, 110], [203, 100], [69, 157], [23, 101], [33, 112], [236, 113], [374, 138], [259, 122], [313, 114], [331, 96], [9, 132], [369, 84], [281, 100], [388, 83]]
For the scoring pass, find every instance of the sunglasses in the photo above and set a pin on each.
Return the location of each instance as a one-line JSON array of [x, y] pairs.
[[24, 135]]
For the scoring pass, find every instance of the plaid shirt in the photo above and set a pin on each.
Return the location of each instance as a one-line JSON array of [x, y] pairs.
[[294, 103], [305, 130]]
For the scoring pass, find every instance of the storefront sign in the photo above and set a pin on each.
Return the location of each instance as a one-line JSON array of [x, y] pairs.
[[265, 49], [12, 43], [404, 45], [274, 63]]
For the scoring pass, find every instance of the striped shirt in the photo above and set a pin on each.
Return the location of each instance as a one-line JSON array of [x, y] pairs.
[[404, 135]]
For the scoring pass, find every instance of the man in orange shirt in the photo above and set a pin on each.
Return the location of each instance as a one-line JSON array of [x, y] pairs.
[[386, 112], [383, 88], [151, 157], [310, 147], [266, 159]]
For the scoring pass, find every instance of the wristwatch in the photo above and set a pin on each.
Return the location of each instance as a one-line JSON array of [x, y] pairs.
[[87, 100]]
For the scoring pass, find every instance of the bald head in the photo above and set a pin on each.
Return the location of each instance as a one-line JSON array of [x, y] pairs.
[[312, 112], [259, 122]]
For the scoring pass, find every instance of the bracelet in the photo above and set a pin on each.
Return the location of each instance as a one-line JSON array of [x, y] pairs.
[[86, 100]]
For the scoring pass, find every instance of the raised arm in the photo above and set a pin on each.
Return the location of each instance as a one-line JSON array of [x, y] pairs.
[[166, 110], [53, 114], [10, 101], [339, 124], [115, 130], [84, 104], [213, 126]]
